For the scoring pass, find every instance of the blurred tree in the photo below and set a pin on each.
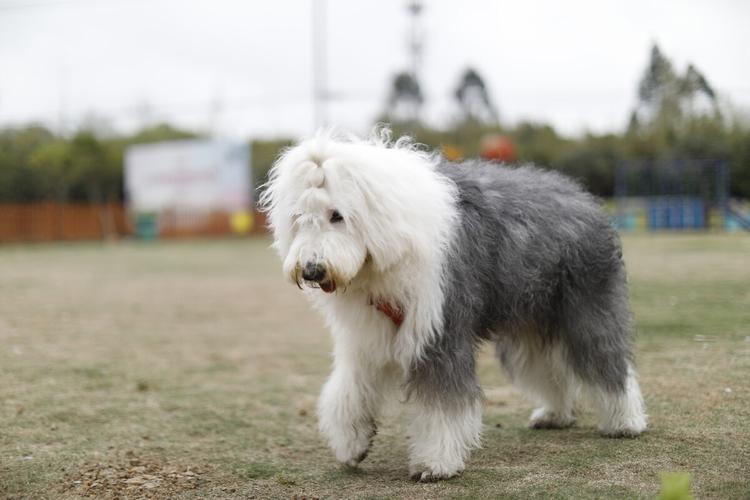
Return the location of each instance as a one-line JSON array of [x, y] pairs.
[[476, 116], [676, 117], [593, 161], [404, 100], [19, 182], [98, 174], [680, 117], [539, 144], [161, 132], [666, 101], [52, 161], [695, 83], [263, 155], [473, 99], [659, 81], [658, 112], [739, 156], [88, 166]]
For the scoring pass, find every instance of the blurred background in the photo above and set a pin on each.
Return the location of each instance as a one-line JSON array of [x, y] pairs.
[[177, 363], [646, 104]]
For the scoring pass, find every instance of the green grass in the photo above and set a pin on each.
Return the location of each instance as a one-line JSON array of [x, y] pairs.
[[197, 356]]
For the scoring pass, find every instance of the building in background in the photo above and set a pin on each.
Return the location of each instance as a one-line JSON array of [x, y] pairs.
[[188, 188]]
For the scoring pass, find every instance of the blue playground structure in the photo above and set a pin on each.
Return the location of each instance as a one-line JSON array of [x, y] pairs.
[[675, 195]]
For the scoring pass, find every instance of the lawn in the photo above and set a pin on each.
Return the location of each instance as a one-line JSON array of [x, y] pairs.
[[191, 369]]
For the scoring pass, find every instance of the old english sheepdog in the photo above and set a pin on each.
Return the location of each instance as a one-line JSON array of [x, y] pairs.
[[415, 261]]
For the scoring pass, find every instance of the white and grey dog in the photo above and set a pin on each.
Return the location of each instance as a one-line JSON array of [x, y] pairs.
[[418, 260]]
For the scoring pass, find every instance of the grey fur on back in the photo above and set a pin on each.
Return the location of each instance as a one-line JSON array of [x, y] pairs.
[[533, 255]]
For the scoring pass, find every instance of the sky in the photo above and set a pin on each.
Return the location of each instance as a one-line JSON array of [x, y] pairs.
[[244, 69]]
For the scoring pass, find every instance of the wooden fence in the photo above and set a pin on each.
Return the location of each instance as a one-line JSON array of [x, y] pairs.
[[51, 221]]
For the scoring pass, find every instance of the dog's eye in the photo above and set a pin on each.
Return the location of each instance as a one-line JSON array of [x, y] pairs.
[[335, 217]]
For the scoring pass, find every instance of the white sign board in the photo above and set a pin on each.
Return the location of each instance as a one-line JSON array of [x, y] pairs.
[[193, 175]]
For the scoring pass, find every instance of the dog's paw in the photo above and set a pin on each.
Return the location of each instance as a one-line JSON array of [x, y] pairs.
[[354, 451], [541, 418], [354, 462], [629, 430], [430, 475], [435, 472], [624, 427]]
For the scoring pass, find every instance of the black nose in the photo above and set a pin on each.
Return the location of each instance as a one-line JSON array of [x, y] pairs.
[[314, 271]]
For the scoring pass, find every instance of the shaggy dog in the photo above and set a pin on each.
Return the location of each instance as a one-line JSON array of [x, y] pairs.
[[415, 261]]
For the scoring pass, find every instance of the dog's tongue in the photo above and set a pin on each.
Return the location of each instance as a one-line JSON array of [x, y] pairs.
[[328, 287]]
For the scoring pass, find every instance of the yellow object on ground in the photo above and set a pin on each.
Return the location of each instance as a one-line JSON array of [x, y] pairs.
[[242, 222]]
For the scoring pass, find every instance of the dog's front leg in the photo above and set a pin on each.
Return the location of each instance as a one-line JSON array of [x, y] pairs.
[[447, 419], [441, 438], [346, 411]]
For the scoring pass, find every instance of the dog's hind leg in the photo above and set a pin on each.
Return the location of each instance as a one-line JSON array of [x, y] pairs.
[[542, 374], [621, 411], [599, 351]]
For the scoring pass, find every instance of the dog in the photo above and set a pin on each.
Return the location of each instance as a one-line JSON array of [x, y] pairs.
[[415, 261]]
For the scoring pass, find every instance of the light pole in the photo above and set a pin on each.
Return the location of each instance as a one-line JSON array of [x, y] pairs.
[[416, 48], [320, 91]]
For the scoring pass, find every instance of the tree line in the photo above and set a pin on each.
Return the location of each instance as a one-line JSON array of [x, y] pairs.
[[37, 165], [678, 115]]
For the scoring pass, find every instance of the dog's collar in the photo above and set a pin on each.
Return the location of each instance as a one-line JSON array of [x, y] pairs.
[[394, 311]]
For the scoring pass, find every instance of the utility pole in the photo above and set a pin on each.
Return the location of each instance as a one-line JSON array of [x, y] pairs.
[[415, 45], [320, 87]]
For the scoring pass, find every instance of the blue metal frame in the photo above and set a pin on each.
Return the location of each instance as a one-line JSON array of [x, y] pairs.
[[679, 193]]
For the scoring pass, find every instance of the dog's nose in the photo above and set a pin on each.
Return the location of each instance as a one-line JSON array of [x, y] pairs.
[[314, 271]]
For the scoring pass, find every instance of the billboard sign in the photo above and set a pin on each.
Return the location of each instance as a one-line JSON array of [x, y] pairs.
[[188, 176]]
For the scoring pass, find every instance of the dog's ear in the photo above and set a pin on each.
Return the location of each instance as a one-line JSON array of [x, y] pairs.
[[387, 248], [380, 220]]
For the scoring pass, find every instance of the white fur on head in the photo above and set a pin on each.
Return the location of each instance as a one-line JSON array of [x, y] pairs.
[[396, 209]]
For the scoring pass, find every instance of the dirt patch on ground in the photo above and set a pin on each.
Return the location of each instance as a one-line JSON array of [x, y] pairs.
[[133, 476]]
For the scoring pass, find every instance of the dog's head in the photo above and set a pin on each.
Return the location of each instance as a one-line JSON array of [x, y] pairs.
[[337, 206], [316, 230], [323, 205]]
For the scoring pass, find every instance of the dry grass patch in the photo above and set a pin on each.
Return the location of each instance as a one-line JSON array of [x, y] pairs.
[[199, 359], [133, 476]]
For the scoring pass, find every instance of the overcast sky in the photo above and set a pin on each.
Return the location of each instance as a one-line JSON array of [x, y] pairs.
[[244, 68]]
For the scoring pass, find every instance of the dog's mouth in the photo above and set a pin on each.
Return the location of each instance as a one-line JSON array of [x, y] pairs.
[[327, 284]]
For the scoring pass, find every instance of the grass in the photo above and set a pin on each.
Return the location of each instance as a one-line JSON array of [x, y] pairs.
[[191, 369]]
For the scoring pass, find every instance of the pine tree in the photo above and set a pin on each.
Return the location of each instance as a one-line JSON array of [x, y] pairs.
[[405, 99], [473, 99], [659, 81]]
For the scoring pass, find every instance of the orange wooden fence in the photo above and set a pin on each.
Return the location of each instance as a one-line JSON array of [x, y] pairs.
[[51, 221]]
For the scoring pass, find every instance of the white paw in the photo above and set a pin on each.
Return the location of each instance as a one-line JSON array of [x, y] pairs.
[[353, 450], [425, 474], [629, 428], [541, 418]]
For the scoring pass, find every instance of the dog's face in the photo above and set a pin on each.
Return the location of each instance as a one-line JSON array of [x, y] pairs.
[[315, 224], [338, 207]]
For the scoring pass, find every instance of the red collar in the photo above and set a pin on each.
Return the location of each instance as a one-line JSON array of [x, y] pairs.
[[393, 311]]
